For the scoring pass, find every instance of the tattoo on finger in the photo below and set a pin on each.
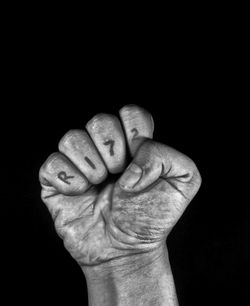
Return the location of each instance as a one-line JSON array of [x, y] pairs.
[[64, 177], [135, 132], [92, 165], [111, 144]]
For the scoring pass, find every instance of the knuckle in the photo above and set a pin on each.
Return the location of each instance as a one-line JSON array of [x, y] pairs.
[[132, 112], [132, 108], [192, 176], [47, 165], [70, 136], [100, 122]]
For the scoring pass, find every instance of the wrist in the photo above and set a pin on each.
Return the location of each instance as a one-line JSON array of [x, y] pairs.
[[138, 279]]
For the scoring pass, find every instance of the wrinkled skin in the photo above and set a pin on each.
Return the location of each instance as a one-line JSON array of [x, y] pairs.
[[107, 221]]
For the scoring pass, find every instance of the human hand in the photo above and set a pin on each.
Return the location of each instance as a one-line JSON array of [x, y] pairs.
[[102, 220]]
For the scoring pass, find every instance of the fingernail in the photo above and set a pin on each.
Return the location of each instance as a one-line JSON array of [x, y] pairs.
[[131, 176]]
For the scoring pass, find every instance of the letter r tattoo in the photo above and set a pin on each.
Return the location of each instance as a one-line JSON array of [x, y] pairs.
[[64, 177]]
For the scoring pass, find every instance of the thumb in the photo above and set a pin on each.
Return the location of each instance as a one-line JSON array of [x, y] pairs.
[[154, 161]]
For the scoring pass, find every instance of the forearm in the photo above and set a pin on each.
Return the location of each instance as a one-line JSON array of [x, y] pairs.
[[144, 279]]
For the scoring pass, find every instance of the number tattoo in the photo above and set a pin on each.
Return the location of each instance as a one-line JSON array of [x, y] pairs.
[[64, 177], [111, 144], [92, 165], [135, 132]]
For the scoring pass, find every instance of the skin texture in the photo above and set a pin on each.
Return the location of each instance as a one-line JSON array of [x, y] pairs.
[[116, 229]]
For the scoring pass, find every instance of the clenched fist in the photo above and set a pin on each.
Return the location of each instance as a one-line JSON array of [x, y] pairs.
[[102, 220]]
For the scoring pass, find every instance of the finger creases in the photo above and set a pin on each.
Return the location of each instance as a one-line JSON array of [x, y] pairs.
[[153, 161], [58, 174], [107, 135], [138, 125], [79, 148]]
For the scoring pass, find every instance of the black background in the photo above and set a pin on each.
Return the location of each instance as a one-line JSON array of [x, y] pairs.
[[54, 84]]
